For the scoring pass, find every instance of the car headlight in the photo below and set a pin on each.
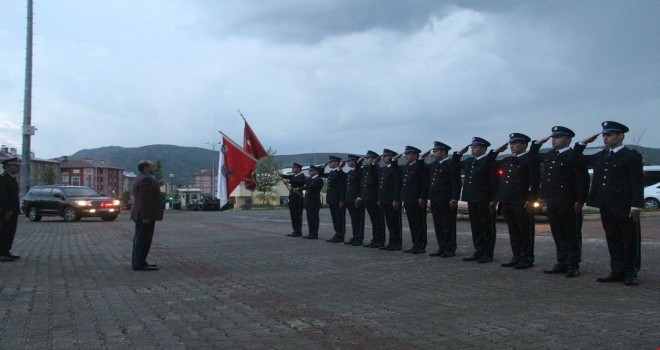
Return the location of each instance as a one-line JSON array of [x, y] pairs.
[[116, 202], [537, 205], [83, 203]]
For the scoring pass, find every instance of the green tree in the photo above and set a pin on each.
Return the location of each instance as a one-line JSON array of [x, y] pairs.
[[159, 173], [49, 176], [265, 177]]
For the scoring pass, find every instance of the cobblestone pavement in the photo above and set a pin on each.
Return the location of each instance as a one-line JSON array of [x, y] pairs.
[[232, 280]]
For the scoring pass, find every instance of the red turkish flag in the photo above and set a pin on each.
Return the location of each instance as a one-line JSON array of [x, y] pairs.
[[237, 166], [251, 143]]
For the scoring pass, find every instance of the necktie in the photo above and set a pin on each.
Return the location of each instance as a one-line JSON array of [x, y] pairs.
[[609, 157]]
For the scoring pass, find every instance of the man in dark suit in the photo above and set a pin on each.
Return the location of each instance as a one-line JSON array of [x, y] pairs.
[[9, 207], [336, 198], [312, 201], [296, 203], [517, 191], [414, 193], [369, 200], [617, 189], [564, 186], [148, 207], [389, 198], [479, 189], [356, 212], [444, 192]]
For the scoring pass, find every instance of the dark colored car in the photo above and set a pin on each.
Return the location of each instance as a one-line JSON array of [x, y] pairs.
[[70, 202]]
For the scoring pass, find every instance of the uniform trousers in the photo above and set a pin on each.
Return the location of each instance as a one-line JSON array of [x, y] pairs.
[[521, 231], [377, 222], [444, 222], [393, 220], [296, 212], [623, 237], [417, 222], [338, 220], [482, 224], [312, 211], [357, 220], [7, 232], [566, 225]]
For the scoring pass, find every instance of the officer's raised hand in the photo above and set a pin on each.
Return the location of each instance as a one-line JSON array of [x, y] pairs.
[[589, 139]]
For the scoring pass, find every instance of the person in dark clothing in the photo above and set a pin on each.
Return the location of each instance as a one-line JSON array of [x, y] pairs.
[[517, 192], [312, 202], [296, 200], [389, 198], [148, 207], [414, 192], [444, 193], [564, 187], [479, 189], [356, 212], [9, 208], [617, 189], [368, 200], [336, 198]]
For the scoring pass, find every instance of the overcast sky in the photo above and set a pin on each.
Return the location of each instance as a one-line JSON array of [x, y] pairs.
[[322, 75]]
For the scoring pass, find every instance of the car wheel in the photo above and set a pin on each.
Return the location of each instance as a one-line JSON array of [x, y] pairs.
[[651, 203], [70, 215], [109, 218], [33, 214]]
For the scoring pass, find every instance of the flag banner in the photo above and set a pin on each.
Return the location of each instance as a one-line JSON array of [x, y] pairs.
[[234, 165], [251, 143]]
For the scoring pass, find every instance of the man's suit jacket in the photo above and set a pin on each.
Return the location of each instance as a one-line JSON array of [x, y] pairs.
[[353, 180], [312, 189], [480, 183], [415, 181], [369, 183], [389, 188], [8, 194], [295, 181], [444, 181], [565, 178], [147, 201], [520, 180], [336, 186], [618, 182]]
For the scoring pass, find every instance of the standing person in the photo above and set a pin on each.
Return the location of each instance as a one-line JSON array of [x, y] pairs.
[[296, 202], [414, 192], [369, 198], [336, 198], [617, 190], [389, 198], [479, 189], [564, 186], [312, 201], [517, 191], [356, 212], [147, 208], [9, 207], [444, 192]]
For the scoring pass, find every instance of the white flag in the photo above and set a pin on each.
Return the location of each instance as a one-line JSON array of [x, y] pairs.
[[222, 194]]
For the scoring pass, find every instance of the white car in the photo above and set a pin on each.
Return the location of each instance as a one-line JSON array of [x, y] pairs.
[[652, 196]]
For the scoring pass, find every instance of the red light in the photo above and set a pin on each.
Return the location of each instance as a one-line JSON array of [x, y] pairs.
[[500, 172], [107, 205]]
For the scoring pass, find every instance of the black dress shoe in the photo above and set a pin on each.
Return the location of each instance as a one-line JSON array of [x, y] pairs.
[[448, 255], [408, 250], [145, 268], [378, 245], [611, 278], [338, 240], [310, 237], [294, 234], [485, 259], [331, 240], [473, 257], [511, 263], [349, 242], [387, 247], [14, 256], [630, 280], [356, 243], [418, 251], [6, 258], [572, 272], [368, 245], [438, 253], [394, 248], [556, 270], [523, 265]]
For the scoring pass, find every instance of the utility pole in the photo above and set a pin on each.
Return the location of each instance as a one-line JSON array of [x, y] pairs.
[[28, 129]]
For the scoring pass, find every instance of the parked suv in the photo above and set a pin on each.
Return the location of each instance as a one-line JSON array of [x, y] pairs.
[[70, 202]]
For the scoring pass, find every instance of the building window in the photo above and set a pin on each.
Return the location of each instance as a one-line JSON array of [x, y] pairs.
[[65, 179], [75, 180]]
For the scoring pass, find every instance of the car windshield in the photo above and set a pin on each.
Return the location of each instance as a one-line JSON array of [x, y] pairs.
[[80, 192]]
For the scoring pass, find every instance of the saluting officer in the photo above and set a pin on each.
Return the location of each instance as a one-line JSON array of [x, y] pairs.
[[356, 212], [479, 189], [414, 192], [618, 190], [389, 198], [444, 192], [336, 198], [296, 202], [564, 186], [312, 188], [517, 191], [9, 208], [368, 199]]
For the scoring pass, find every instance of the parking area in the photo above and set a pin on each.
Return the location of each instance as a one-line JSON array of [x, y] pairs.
[[232, 280]]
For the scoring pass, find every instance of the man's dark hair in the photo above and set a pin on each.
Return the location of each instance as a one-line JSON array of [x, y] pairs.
[[143, 164]]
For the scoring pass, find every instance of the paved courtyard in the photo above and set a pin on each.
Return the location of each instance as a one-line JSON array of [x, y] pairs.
[[232, 280]]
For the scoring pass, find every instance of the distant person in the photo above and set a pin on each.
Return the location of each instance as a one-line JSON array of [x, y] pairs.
[[355, 211], [336, 197], [564, 187], [414, 193], [617, 189], [389, 198], [296, 200], [312, 201], [147, 209], [9, 207], [369, 200]]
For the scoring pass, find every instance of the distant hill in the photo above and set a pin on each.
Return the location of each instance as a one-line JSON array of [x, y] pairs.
[[185, 161]]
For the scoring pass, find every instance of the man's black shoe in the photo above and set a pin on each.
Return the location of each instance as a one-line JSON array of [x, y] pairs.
[[438, 253], [387, 247], [394, 248], [146, 268], [418, 251], [331, 240], [485, 259], [377, 245], [310, 237], [408, 250], [6, 258], [473, 257], [523, 265], [349, 242], [556, 270], [14, 256], [448, 255], [610, 278], [294, 234], [368, 245], [511, 263], [356, 243], [630, 280], [338, 240], [572, 272]]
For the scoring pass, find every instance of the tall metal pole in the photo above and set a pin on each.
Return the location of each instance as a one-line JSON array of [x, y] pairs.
[[28, 130]]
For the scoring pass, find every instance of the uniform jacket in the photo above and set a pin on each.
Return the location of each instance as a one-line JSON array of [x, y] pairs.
[[565, 179], [618, 183], [353, 182], [480, 183], [8, 194], [312, 188], [520, 179], [336, 185], [444, 181], [369, 183], [389, 184], [415, 181], [295, 181], [147, 201]]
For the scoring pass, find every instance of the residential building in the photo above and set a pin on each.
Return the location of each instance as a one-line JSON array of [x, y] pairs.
[[106, 179], [42, 171]]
